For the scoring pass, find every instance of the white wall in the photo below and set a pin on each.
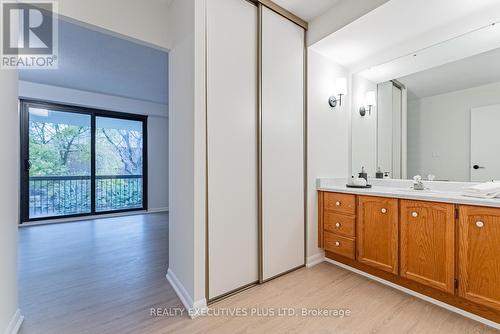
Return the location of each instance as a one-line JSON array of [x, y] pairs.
[[181, 144], [145, 21], [338, 16], [363, 129], [157, 128], [439, 131], [158, 163], [9, 195], [328, 136], [187, 149], [199, 150]]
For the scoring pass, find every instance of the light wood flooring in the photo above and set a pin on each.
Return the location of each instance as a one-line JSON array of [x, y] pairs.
[[104, 276]]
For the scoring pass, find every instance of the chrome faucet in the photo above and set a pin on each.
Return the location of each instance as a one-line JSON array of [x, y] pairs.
[[417, 183]]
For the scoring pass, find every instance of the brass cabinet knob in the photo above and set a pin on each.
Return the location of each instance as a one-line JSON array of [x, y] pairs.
[[384, 210], [337, 243], [414, 214], [480, 224], [337, 225], [338, 203]]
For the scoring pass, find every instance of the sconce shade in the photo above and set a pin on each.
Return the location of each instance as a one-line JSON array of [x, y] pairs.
[[370, 98], [341, 86]]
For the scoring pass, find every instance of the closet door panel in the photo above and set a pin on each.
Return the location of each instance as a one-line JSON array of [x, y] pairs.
[[282, 126], [232, 145]]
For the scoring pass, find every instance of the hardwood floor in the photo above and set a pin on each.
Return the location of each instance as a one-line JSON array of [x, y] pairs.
[[104, 276], [90, 276]]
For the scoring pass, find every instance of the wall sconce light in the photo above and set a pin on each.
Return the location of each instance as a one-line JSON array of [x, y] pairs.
[[370, 101], [341, 89]]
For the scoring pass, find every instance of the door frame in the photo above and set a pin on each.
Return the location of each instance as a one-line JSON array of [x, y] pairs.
[[472, 111], [24, 105]]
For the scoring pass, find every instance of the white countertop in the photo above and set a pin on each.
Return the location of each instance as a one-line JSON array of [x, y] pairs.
[[436, 191]]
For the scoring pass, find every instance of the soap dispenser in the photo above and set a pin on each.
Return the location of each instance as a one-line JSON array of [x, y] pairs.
[[363, 174], [379, 174]]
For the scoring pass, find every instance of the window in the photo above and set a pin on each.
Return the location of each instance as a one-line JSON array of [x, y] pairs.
[[79, 161]]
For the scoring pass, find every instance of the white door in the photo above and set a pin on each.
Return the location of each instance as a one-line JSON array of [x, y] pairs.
[[282, 145], [396, 132], [485, 143], [232, 145], [384, 126], [391, 130]]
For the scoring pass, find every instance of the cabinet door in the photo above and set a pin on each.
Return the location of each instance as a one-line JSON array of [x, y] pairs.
[[428, 243], [378, 232], [479, 255], [232, 113]]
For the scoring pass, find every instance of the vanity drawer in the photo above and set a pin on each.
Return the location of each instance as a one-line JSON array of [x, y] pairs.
[[339, 245], [340, 224], [342, 203]]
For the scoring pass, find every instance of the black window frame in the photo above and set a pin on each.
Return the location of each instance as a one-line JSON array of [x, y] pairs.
[[25, 104]]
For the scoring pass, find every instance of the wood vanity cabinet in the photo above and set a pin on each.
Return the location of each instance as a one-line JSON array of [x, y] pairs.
[[479, 255], [377, 236], [428, 243], [449, 252]]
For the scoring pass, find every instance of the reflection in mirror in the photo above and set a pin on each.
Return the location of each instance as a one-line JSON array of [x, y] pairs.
[[436, 112]]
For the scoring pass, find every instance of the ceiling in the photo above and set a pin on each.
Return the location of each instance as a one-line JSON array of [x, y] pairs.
[[471, 72], [307, 9], [400, 27], [93, 61]]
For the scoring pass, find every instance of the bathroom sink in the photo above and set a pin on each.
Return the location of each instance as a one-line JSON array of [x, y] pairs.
[[411, 190]]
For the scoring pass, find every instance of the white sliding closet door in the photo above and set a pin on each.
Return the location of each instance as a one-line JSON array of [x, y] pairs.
[[282, 126], [232, 145]]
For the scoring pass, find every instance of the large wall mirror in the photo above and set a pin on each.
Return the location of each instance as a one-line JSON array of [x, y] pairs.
[[434, 112]]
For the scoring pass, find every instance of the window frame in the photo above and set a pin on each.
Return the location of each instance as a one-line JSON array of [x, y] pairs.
[[25, 104]]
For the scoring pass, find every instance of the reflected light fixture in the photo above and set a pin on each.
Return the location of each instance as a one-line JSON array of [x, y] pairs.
[[370, 101], [341, 89]]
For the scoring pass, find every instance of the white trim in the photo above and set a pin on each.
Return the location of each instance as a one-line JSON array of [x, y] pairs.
[[179, 289], [15, 323], [418, 295], [195, 308], [90, 99], [154, 210], [93, 217], [199, 308], [315, 259]]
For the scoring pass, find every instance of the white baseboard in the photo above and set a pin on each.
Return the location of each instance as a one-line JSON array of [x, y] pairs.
[[194, 308], [315, 259], [199, 307], [154, 210], [15, 323], [418, 295]]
